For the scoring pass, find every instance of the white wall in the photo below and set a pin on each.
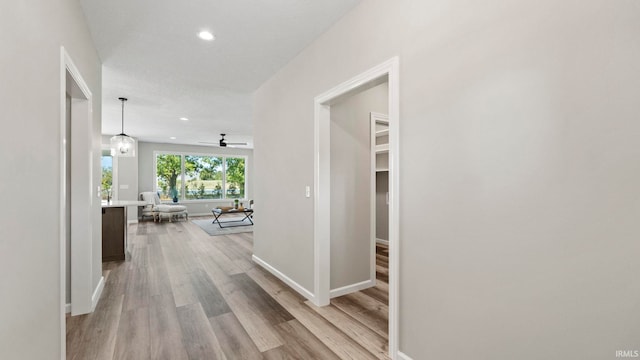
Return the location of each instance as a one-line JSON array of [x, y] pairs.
[[350, 133], [194, 207], [31, 34], [519, 170]]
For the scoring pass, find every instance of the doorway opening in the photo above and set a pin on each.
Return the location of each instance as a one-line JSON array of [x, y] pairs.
[[78, 295], [325, 211]]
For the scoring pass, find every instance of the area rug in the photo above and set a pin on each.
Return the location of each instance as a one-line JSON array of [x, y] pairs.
[[228, 228]]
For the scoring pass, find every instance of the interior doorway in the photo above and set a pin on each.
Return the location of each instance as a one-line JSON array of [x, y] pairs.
[[379, 126], [77, 293], [387, 72]]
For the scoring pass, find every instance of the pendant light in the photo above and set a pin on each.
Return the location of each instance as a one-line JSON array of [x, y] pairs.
[[123, 145]]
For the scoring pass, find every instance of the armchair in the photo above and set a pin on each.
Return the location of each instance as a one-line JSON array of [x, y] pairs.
[[156, 209]]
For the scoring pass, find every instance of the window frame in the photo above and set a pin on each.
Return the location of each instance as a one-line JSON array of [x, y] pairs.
[[182, 177]]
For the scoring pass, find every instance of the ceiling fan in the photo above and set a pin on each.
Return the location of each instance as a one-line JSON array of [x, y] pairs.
[[223, 143]]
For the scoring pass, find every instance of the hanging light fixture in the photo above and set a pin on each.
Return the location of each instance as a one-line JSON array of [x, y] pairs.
[[122, 144]]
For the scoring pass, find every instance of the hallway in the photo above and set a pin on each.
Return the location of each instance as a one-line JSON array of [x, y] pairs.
[[187, 295]]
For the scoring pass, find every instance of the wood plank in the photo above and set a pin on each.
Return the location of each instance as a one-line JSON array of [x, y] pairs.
[[382, 270], [279, 353], [257, 326], [115, 282], [165, 333], [261, 301], [377, 320], [133, 340], [367, 338], [300, 343], [326, 332], [98, 331], [136, 294], [76, 327], [270, 283], [234, 340], [357, 302], [253, 321], [197, 336], [182, 287], [223, 261], [157, 274], [208, 294], [230, 249], [378, 294], [243, 242], [365, 309]]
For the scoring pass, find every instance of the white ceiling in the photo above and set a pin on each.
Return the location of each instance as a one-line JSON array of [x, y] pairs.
[[151, 54]]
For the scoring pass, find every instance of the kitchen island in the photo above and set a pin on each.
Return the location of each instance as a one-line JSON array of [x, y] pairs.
[[114, 229]]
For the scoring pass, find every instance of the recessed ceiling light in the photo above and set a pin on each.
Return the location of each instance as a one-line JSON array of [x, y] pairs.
[[206, 35], [184, 119], [172, 138]]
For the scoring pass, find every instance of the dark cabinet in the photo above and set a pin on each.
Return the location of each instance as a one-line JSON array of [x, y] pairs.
[[114, 233]]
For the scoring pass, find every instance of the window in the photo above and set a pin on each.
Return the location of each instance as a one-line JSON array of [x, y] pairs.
[[200, 177], [203, 177], [235, 178], [168, 170], [107, 175]]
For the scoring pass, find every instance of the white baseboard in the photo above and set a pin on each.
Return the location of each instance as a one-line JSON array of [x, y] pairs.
[[129, 222], [67, 308], [96, 294], [382, 241], [351, 288], [287, 280], [403, 356]]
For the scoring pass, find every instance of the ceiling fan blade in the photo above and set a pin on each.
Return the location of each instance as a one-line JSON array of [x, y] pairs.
[[236, 143], [208, 143]]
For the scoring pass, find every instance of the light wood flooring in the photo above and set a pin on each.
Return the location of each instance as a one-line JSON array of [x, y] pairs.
[[186, 295]]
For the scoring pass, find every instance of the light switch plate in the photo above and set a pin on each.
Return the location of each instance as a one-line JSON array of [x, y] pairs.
[[307, 191]]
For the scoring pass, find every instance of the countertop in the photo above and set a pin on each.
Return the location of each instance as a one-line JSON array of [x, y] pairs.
[[123, 203]]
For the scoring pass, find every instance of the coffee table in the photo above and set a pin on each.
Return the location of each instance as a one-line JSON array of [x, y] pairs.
[[217, 213]]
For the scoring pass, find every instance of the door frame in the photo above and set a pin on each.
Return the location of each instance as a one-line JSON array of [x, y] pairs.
[[83, 295], [389, 71]]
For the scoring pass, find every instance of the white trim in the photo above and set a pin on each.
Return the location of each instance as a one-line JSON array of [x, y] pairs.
[[352, 288], [294, 285], [129, 222], [322, 209], [394, 205], [62, 233], [81, 219], [403, 356], [382, 241], [96, 293], [67, 308], [322, 169]]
